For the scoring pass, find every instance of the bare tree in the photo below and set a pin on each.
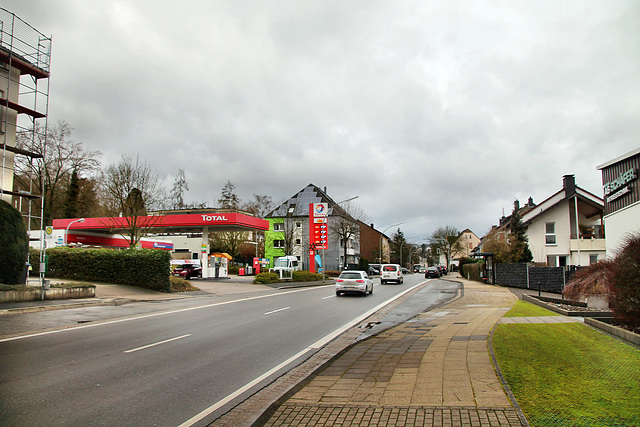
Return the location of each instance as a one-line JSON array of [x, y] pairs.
[[230, 241], [52, 173], [344, 226], [445, 239], [260, 206], [177, 192], [131, 188]]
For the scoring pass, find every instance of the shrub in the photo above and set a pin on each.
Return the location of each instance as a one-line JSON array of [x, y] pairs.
[[473, 271], [306, 276], [234, 269], [179, 284], [147, 268], [591, 280], [14, 244], [625, 284], [266, 278]]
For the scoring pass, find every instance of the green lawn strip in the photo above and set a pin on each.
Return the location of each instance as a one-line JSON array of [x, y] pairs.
[[526, 309], [569, 374]]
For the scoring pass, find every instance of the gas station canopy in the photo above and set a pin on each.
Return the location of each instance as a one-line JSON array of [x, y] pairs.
[[172, 223]]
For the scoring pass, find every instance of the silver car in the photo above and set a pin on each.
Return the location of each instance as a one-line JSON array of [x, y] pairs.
[[354, 281]]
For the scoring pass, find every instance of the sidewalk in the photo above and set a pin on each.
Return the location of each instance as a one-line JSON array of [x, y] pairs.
[[433, 370]]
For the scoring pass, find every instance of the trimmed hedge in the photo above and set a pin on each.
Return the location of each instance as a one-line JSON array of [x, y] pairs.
[[266, 278], [473, 271], [14, 243], [145, 268]]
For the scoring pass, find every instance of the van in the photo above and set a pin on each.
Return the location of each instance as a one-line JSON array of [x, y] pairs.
[[391, 273]]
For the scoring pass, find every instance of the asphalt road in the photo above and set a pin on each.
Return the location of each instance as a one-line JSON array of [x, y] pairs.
[[185, 366]]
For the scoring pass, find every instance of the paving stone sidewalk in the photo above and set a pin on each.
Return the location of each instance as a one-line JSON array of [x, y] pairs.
[[434, 370]]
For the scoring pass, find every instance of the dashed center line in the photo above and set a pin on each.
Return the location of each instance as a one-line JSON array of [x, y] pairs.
[[276, 311], [157, 343]]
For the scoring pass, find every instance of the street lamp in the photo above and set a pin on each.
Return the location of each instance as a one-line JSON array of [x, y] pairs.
[[324, 266], [401, 244], [381, 234], [67, 230]]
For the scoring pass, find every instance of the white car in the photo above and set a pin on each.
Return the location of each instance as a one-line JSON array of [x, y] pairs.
[[353, 281], [391, 273]]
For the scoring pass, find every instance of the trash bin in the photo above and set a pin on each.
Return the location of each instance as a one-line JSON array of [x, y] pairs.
[[241, 271], [46, 284]]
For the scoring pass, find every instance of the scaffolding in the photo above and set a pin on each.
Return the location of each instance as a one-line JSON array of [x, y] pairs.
[[25, 58]]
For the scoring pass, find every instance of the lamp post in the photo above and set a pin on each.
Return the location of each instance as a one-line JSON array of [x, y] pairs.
[[381, 234], [324, 266], [67, 230], [401, 244]]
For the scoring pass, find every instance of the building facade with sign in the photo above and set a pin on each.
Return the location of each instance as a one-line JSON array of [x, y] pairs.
[[621, 198], [307, 223]]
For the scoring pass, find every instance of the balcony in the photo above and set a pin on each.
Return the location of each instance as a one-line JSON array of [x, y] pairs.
[[588, 244]]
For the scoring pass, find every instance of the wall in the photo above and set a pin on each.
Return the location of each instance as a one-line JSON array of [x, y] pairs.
[[620, 224], [547, 279]]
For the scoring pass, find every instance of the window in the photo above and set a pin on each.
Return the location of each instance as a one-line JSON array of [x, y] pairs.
[[298, 241], [550, 233], [593, 258], [298, 224], [278, 243], [278, 226]]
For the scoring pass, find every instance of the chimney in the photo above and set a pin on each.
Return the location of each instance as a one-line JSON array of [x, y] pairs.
[[516, 205], [569, 185], [530, 202]]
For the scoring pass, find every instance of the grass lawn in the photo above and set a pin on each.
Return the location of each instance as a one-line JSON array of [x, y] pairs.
[[570, 374], [526, 309]]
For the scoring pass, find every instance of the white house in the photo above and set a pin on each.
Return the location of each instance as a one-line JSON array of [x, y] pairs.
[[622, 198], [567, 228]]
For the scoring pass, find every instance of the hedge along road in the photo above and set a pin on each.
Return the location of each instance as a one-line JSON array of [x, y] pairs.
[[184, 366]]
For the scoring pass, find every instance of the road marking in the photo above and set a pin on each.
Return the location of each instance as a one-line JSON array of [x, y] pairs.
[[313, 347], [276, 311], [163, 313], [157, 343], [330, 296]]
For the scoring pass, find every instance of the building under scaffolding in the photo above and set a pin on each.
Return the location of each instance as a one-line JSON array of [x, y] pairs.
[[25, 57]]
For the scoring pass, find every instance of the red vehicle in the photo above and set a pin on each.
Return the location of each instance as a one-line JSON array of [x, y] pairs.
[[188, 271]]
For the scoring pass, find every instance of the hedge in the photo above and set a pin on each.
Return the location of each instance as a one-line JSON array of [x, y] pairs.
[[473, 271], [14, 242], [145, 268]]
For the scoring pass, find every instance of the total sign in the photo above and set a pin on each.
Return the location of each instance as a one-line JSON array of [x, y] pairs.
[[318, 235]]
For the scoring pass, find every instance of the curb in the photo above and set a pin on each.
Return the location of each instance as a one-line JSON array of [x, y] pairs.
[[40, 308]]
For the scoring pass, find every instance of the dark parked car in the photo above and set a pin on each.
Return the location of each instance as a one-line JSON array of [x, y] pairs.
[[188, 271], [443, 270], [432, 272]]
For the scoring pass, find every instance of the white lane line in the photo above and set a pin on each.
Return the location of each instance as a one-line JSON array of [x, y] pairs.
[[157, 343], [277, 311], [330, 296], [163, 313], [316, 345]]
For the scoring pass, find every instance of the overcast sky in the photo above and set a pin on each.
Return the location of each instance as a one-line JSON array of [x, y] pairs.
[[432, 112]]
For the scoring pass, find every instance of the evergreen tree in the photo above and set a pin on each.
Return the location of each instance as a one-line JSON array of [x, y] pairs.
[[229, 199], [519, 241], [72, 207]]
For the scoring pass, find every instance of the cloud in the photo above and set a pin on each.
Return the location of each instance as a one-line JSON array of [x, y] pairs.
[[434, 113]]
